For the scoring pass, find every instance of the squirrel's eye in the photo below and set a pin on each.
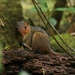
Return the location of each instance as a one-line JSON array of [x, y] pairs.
[[25, 27]]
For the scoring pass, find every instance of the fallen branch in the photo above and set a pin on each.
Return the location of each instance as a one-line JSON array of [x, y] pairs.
[[36, 64]]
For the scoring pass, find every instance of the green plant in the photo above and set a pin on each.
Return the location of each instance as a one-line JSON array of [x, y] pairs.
[[43, 4], [67, 38], [70, 9], [2, 46]]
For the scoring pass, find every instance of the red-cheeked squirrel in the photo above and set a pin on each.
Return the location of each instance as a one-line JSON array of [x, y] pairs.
[[35, 38]]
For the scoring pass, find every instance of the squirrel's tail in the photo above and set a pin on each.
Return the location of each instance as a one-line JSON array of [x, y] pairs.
[[54, 53]]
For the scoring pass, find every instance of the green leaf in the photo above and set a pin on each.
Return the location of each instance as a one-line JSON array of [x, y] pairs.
[[71, 9], [1, 65], [43, 3], [53, 21], [61, 9], [2, 45], [46, 5], [33, 9]]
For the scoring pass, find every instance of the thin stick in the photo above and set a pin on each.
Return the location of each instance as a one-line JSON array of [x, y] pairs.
[[27, 46], [55, 29], [51, 32], [43, 71]]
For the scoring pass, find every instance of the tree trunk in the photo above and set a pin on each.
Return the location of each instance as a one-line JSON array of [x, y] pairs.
[[58, 14], [72, 24], [11, 12]]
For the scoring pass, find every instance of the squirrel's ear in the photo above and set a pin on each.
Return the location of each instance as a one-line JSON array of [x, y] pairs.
[[26, 22]]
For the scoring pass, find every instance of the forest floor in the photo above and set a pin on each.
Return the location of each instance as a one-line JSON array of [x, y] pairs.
[[37, 64]]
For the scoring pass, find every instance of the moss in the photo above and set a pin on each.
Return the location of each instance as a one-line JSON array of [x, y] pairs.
[[11, 12], [70, 41]]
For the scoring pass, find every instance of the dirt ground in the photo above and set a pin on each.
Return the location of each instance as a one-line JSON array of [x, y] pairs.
[[37, 64]]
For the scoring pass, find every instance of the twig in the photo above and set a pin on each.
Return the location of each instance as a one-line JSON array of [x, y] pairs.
[[27, 46], [55, 29], [43, 70], [50, 31]]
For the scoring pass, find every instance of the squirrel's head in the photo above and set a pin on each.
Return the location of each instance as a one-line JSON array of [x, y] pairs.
[[23, 27]]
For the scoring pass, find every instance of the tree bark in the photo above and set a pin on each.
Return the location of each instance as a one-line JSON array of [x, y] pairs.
[[11, 12], [17, 60], [72, 24]]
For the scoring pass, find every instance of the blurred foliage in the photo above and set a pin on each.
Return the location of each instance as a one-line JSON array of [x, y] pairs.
[[2, 46], [46, 9], [23, 73], [70, 9], [46, 5], [67, 38], [52, 21], [1, 65]]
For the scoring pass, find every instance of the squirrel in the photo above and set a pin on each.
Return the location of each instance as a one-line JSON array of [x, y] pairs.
[[35, 38]]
